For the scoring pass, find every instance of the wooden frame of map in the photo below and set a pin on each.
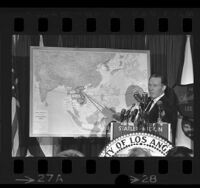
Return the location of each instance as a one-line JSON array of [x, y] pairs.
[[73, 91]]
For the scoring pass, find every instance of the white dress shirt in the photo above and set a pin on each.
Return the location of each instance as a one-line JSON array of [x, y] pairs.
[[155, 101]]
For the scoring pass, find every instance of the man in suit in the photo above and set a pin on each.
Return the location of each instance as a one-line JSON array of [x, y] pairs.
[[160, 102]]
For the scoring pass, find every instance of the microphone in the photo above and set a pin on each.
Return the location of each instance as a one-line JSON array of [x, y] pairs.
[[137, 97], [159, 103], [127, 115], [128, 112], [133, 115], [145, 98], [122, 115]]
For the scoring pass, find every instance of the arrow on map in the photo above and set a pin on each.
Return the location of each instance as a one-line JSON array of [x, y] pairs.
[[26, 180], [133, 179]]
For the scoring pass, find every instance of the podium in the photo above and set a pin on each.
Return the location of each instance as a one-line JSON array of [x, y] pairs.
[[162, 129]]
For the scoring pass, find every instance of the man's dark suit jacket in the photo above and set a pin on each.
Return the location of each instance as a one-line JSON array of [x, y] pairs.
[[170, 115]]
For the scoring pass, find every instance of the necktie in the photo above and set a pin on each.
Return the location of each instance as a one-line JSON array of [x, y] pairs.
[[149, 106]]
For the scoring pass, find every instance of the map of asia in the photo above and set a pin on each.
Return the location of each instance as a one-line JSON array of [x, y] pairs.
[[75, 91]]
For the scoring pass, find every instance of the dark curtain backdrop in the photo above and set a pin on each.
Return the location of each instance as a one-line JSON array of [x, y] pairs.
[[166, 53]]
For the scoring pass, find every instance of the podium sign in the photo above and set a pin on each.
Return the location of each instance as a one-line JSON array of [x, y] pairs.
[[162, 129], [137, 144]]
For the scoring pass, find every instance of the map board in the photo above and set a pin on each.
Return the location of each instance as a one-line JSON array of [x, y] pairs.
[[74, 90]]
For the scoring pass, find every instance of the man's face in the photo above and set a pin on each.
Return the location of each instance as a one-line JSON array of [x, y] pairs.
[[188, 130], [155, 87]]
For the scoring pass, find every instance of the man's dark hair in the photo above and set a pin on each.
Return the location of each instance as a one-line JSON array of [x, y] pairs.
[[179, 151], [163, 78], [137, 151], [70, 153]]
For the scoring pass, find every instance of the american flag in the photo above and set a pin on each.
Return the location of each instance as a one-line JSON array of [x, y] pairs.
[[22, 144], [15, 116]]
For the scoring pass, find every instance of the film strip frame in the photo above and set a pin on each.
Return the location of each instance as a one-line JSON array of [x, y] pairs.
[[95, 170]]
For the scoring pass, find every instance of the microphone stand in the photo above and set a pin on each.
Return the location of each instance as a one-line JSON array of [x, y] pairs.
[[159, 120], [142, 118], [159, 116]]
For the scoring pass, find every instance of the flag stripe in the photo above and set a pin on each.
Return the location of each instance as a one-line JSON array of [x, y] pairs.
[[15, 136], [14, 126], [15, 147]]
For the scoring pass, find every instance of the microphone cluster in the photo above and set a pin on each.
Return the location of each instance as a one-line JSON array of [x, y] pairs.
[[128, 115], [141, 99], [132, 116], [139, 117]]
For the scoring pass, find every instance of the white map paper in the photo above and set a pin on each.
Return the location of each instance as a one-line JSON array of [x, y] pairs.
[[73, 88]]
